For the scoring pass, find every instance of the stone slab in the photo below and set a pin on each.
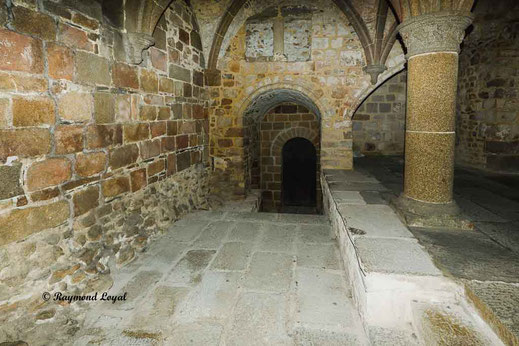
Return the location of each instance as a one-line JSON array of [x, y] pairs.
[[232, 256], [398, 256], [278, 238], [348, 197], [195, 334], [315, 234], [212, 300], [213, 235], [318, 256], [314, 281], [187, 231], [269, 272], [246, 232], [259, 319], [188, 269], [374, 220]]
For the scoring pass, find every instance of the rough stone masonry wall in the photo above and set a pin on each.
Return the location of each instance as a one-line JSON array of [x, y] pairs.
[[488, 95], [96, 155], [332, 77], [278, 120], [379, 123]]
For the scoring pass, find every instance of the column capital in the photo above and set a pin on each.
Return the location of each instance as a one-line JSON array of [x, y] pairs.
[[434, 32]]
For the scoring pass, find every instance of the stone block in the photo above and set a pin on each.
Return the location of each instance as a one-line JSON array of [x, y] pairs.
[[167, 144], [179, 73], [148, 113], [102, 136], [44, 195], [73, 37], [164, 113], [47, 173], [400, 256], [20, 53], [115, 186], [10, 181], [75, 106], [86, 200], [156, 167], [92, 69], [27, 142], [159, 59], [124, 156], [138, 179], [88, 164], [183, 161], [124, 108], [104, 108], [149, 81], [21, 223], [198, 78], [166, 85], [182, 141], [171, 164], [150, 149], [136, 132], [374, 220], [158, 129], [125, 76], [61, 62], [33, 111], [85, 22], [68, 139], [33, 23], [22, 83]]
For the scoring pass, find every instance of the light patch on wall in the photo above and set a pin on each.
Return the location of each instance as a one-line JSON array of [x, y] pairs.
[[298, 39], [259, 40]]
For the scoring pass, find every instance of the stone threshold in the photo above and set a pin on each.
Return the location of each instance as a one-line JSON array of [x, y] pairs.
[[390, 273]]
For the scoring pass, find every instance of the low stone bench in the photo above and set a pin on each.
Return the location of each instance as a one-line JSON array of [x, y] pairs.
[[388, 269]]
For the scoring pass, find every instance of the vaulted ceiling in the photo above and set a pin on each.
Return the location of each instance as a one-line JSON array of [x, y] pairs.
[[374, 21]]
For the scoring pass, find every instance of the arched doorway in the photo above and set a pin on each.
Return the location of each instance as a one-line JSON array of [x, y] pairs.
[[299, 174]]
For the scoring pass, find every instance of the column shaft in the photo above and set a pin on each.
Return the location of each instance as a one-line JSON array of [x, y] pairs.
[[431, 107]]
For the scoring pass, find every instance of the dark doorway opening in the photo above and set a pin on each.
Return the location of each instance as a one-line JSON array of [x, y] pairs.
[[299, 173]]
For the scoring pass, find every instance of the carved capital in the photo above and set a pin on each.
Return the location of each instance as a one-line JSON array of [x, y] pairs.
[[374, 71], [435, 32]]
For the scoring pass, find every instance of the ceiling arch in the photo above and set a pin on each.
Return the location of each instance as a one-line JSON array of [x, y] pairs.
[[376, 48]]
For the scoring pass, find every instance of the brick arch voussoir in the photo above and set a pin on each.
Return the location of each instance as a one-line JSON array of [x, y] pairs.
[[294, 132]]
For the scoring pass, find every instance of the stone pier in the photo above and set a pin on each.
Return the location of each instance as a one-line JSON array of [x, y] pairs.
[[433, 42]]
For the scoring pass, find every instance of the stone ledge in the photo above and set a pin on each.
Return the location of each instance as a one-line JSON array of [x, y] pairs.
[[386, 266]]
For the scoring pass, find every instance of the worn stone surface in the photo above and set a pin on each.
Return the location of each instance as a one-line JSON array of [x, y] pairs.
[[10, 185], [21, 223]]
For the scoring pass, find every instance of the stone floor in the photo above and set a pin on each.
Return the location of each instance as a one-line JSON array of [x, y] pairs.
[[485, 260], [231, 278]]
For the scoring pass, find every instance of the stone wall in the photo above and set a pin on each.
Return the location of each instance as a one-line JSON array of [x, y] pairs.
[[379, 123], [331, 76], [488, 106], [275, 131], [96, 155]]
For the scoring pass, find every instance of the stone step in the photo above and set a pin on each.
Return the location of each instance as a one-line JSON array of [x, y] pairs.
[[440, 324]]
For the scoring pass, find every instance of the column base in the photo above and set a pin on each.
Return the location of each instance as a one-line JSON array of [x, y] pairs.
[[431, 215]]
